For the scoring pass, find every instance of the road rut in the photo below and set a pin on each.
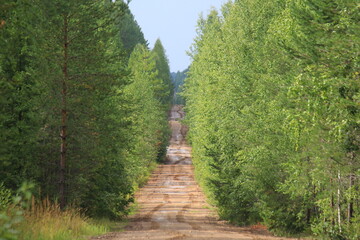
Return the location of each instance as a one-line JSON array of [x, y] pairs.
[[171, 204]]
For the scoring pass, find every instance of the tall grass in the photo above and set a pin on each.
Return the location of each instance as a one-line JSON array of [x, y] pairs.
[[45, 221]]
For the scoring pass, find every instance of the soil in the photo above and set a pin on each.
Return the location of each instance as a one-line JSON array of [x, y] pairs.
[[172, 206]]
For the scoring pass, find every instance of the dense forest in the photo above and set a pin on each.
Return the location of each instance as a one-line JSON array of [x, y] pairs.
[[273, 106], [272, 103], [84, 104], [178, 79]]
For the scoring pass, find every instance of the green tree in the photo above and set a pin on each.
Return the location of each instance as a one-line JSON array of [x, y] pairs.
[[164, 90], [149, 126], [178, 79], [89, 81], [63, 76], [130, 32], [20, 86], [272, 104]]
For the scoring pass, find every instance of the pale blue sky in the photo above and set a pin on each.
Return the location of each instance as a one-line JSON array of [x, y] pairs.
[[174, 22]]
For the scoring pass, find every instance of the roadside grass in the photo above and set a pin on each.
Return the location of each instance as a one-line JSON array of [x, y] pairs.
[[25, 218], [45, 221]]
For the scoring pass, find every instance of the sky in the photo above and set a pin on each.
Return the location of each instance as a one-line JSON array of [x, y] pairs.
[[174, 22]]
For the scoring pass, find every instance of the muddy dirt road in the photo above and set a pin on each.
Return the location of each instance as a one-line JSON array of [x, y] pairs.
[[171, 205]]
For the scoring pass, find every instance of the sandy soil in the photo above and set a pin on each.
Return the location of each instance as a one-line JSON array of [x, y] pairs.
[[172, 206]]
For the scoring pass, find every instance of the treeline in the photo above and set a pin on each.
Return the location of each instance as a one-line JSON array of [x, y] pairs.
[[83, 102], [273, 105], [178, 79]]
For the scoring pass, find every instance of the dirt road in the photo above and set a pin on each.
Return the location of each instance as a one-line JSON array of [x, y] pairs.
[[171, 205]]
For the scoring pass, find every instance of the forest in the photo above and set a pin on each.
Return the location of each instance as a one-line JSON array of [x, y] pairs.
[[178, 79], [83, 115], [272, 102], [273, 106]]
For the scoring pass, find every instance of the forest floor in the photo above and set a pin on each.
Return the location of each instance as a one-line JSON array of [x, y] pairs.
[[172, 206]]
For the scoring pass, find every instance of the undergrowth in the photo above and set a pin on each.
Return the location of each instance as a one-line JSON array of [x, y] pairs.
[[45, 221]]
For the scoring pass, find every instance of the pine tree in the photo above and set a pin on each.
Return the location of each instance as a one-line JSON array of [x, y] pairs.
[[130, 32], [63, 74], [21, 73]]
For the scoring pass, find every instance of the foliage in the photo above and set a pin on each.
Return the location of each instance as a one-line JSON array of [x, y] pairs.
[[178, 79], [164, 91], [5, 197], [71, 120], [25, 218], [11, 214], [273, 107], [130, 32], [45, 220], [150, 129]]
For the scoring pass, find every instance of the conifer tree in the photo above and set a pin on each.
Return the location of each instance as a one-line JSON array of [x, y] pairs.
[[164, 91], [21, 74], [63, 74]]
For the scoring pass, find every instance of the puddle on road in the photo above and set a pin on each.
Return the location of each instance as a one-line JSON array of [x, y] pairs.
[[174, 193], [168, 211], [158, 218], [178, 151], [176, 187]]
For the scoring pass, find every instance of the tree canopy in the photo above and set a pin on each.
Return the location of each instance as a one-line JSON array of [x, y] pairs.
[[81, 115], [273, 107]]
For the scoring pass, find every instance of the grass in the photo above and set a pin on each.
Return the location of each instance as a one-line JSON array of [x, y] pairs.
[[45, 221]]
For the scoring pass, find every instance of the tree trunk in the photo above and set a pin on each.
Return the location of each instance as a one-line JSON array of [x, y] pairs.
[[332, 209], [350, 212], [63, 132], [338, 202], [351, 203]]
